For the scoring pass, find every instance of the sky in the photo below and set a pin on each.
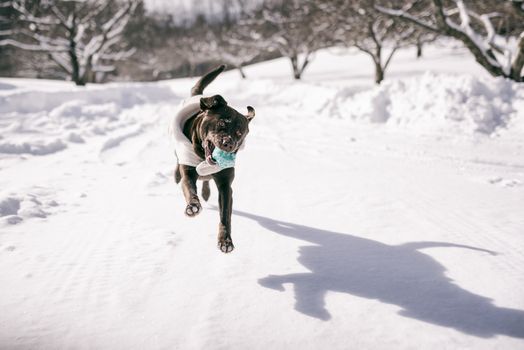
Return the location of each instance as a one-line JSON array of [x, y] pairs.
[[180, 6], [187, 8]]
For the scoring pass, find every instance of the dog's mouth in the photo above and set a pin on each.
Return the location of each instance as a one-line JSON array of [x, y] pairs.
[[209, 147]]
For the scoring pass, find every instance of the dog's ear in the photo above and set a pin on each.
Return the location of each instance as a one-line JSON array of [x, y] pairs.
[[250, 113], [212, 102]]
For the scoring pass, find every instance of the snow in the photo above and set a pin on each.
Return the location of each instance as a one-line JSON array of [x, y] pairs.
[[394, 219], [438, 103]]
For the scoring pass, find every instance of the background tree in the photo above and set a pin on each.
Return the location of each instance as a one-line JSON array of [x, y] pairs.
[[170, 47], [7, 61], [492, 31], [93, 40], [83, 38], [227, 40], [154, 37], [420, 38], [293, 28], [358, 24]]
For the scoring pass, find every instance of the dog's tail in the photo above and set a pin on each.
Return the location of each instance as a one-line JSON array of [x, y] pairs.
[[201, 84]]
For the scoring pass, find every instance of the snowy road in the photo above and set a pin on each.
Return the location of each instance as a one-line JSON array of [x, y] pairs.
[[370, 237]]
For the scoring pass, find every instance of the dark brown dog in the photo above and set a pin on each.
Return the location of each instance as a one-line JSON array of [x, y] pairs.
[[215, 125]]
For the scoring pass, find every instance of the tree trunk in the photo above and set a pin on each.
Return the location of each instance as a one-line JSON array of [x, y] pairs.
[[379, 73], [379, 70], [518, 63], [494, 70], [241, 71], [376, 56], [443, 28], [75, 66], [419, 50], [297, 68], [304, 64], [294, 65]]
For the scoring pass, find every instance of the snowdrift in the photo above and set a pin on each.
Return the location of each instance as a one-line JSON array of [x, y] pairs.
[[444, 103], [43, 122], [40, 121]]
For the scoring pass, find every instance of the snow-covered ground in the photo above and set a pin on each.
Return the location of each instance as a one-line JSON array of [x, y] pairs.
[[395, 219]]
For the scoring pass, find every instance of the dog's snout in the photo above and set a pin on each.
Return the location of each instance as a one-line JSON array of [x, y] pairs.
[[227, 143]]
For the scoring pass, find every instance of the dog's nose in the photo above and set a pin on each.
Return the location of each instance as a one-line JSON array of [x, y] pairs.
[[227, 143]]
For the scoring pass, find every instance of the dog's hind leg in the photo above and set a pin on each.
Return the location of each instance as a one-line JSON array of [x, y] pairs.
[[206, 192], [177, 174]]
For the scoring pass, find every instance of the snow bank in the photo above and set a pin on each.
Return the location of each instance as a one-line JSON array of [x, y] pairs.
[[36, 120], [458, 104], [431, 102], [40, 120], [126, 96], [38, 148]]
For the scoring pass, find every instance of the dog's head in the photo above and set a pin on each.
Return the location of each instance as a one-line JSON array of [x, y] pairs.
[[222, 126]]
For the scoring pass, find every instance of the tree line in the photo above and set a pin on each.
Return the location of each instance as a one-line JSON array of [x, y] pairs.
[[100, 40]]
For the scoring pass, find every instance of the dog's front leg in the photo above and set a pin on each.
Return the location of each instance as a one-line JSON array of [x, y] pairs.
[[189, 178], [223, 180]]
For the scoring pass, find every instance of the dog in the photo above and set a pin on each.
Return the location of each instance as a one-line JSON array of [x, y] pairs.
[[210, 123]]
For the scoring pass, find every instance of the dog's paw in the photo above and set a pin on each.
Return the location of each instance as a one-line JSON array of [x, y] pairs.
[[226, 245], [193, 209]]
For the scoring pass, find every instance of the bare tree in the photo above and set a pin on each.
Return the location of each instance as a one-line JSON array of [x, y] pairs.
[[226, 40], [227, 47], [82, 37], [358, 24], [498, 48], [293, 28], [422, 37]]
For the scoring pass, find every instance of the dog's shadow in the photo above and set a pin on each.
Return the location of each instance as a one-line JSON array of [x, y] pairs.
[[399, 275]]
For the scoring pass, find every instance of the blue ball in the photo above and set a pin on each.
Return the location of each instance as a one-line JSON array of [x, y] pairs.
[[223, 158]]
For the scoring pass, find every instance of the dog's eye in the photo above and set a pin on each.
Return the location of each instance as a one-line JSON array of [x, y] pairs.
[[221, 123]]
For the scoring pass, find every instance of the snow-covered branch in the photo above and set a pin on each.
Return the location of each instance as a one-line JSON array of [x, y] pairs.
[[406, 16], [6, 32], [500, 57], [41, 46], [81, 37], [62, 61]]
